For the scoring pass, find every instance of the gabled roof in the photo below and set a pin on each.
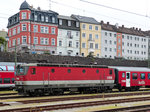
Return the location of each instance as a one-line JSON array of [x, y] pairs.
[[65, 17], [24, 5], [84, 19]]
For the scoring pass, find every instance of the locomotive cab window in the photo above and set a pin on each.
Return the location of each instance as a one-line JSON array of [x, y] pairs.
[[148, 75], [6, 80], [123, 75], [110, 72], [33, 70], [0, 80], [142, 75], [134, 76], [13, 80]]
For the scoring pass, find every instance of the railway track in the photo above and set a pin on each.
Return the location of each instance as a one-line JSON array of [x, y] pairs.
[[77, 105]]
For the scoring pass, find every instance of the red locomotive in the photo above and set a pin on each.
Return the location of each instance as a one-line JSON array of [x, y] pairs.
[[56, 78], [38, 79], [7, 76]]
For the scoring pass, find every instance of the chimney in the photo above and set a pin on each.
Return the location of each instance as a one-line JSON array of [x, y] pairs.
[[122, 26], [31, 6], [102, 22], [136, 29], [107, 23], [139, 29], [39, 8], [133, 28]]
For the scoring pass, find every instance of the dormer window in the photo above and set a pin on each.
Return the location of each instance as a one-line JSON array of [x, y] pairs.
[[60, 21], [69, 23], [46, 18], [35, 17], [24, 15], [77, 24], [53, 19], [42, 18]]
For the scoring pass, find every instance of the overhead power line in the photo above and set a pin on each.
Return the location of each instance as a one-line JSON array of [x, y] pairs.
[[113, 8]]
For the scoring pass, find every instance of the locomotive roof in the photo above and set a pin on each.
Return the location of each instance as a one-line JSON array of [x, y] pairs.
[[65, 65], [121, 68]]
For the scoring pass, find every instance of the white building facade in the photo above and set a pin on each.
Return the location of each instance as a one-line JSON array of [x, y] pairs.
[[68, 40], [121, 42]]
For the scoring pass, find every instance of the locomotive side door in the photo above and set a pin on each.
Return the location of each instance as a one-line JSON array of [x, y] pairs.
[[127, 79]]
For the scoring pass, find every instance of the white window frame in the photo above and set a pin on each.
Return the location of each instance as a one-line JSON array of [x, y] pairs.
[[18, 41], [53, 19], [35, 40], [14, 42], [53, 30], [83, 45], [24, 39], [46, 19], [96, 46], [35, 28], [18, 29], [24, 15], [69, 23], [77, 24], [60, 21], [24, 27], [52, 41], [42, 18], [90, 27], [14, 31]]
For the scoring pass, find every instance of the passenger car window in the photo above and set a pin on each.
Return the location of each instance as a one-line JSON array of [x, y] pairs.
[[148, 75], [0, 80], [123, 75], [6, 80], [134, 76], [142, 75]]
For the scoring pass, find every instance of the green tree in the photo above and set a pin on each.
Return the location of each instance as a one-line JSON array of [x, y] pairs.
[[3, 42]]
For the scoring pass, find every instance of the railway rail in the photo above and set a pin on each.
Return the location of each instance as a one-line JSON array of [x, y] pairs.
[[77, 105]]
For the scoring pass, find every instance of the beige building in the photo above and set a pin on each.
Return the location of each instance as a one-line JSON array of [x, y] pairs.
[[90, 36]]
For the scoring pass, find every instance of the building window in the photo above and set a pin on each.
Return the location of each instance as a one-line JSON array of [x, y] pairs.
[[18, 29], [83, 35], [77, 34], [77, 44], [53, 41], [96, 36], [46, 29], [90, 27], [9, 43], [114, 35], [69, 34], [14, 31], [60, 21], [44, 41], [24, 27], [96, 46], [53, 19], [9, 32], [96, 28], [105, 41], [91, 45], [14, 42], [53, 30], [24, 15], [35, 28], [110, 34], [18, 40], [29, 27], [35, 40], [83, 26], [83, 45], [70, 44], [119, 40], [119, 47], [69, 23], [82, 54], [42, 29], [105, 33], [46, 19], [60, 43], [77, 24], [110, 42], [42, 18], [90, 36], [105, 48], [24, 39], [35, 17]]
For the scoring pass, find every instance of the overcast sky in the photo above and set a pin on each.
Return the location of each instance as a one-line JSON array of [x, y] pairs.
[[68, 7]]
